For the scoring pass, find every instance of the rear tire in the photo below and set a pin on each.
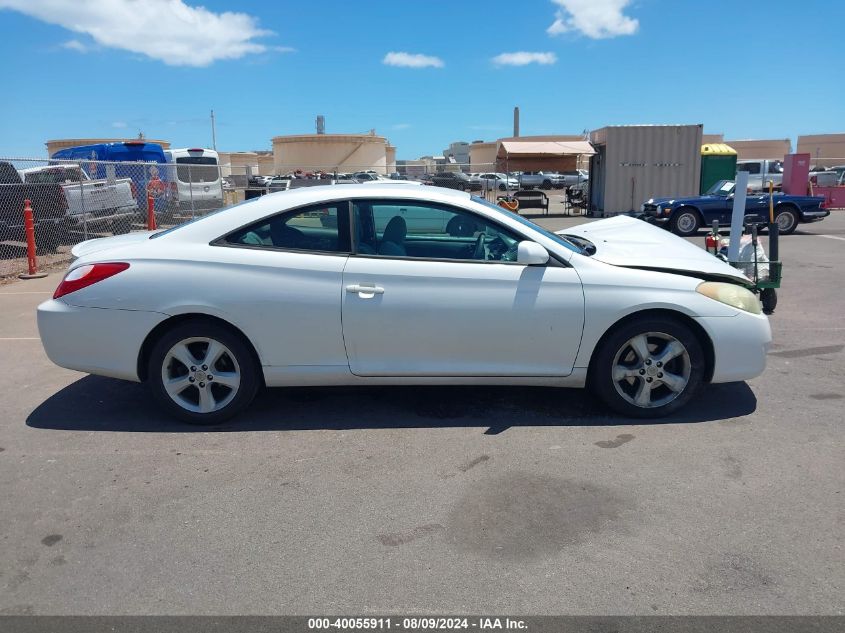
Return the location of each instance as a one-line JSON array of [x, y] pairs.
[[685, 222], [648, 368], [547, 184], [787, 220], [202, 372]]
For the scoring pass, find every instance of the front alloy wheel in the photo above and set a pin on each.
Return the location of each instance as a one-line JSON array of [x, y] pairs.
[[202, 372], [685, 223], [648, 367], [651, 370]]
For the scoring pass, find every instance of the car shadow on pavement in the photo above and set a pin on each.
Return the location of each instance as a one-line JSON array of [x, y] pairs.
[[94, 403]]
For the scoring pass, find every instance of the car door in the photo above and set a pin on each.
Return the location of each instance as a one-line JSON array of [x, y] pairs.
[[419, 312]]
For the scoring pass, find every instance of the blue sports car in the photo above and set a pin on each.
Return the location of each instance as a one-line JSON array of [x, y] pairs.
[[684, 216]]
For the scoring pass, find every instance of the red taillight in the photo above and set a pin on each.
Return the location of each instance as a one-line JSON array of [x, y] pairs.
[[823, 205], [85, 276]]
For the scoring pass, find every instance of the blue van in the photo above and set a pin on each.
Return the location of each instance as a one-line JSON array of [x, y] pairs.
[[152, 176]]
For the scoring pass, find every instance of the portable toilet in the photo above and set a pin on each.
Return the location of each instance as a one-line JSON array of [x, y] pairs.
[[718, 162]]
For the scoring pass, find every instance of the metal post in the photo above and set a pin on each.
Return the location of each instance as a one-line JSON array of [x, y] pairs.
[[738, 214], [82, 203], [190, 187], [213, 133]]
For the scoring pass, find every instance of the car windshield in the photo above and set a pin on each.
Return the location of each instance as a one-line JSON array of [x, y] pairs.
[[552, 236], [721, 188]]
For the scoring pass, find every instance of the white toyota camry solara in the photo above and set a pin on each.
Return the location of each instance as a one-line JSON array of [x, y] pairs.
[[394, 285]]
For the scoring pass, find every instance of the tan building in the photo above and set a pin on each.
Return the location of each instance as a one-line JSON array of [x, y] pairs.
[[482, 156], [330, 152], [62, 143], [824, 149], [772, 148]]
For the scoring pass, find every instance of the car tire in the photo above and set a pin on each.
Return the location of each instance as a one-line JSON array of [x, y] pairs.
[[624, 371], [203, 390], [502, 187], [547, 184], [786, 219], [685, 222]]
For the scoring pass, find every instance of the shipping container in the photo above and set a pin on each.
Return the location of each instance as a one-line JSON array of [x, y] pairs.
[[636, 162]]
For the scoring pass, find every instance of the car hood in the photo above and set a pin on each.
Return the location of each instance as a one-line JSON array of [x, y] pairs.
[[107, 243], [679, 201], [625, 241]]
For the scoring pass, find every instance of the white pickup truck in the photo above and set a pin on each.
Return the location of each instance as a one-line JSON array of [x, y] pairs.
[[761, 171], [96, 204]]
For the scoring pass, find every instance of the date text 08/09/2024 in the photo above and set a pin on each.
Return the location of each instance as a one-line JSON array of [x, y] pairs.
[[416, 624]]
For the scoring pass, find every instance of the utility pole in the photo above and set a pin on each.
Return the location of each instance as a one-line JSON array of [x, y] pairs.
[[213, 133]]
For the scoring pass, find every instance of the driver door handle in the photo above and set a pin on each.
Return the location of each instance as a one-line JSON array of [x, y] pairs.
[[364, 290]]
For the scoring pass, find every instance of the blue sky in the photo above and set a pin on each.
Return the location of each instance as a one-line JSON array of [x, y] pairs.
[[747, 69]]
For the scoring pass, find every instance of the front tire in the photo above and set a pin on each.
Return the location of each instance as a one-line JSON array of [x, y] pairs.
[[648, 368], [787, 220], [202, 373], [685, 222]]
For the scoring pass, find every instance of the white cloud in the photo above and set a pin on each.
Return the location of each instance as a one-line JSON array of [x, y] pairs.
[[597, 19], [119, 124], [166, 30], [75, 45], [523, 58], [412, 60], [400, 126]]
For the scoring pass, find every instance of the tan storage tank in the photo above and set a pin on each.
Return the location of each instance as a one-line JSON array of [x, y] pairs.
[[390, 157], [636, 162], [330, 152]]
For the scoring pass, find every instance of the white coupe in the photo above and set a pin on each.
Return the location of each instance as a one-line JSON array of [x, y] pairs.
[[383, 285]]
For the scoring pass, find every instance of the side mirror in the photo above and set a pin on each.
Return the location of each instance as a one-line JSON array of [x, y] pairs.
[[531, 254]]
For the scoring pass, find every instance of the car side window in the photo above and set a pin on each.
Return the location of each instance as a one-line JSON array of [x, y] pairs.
[[407, 228], [322, 228], [751, 168]]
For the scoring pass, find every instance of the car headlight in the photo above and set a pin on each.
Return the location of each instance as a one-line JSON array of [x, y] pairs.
[[732, 295]]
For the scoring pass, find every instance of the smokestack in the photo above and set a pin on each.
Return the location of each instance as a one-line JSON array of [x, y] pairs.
[[516, 121], [321, 124]]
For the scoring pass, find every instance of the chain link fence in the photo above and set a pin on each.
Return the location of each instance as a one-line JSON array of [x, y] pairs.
[[77, 200]]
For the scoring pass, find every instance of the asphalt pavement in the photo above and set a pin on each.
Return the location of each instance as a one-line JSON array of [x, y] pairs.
[[433, 500]]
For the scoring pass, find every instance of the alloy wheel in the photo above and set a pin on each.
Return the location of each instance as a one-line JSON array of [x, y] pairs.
[[651, 369], [200, 374]]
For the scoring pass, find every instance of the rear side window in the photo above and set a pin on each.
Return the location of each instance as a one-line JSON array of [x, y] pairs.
[[320, 228]]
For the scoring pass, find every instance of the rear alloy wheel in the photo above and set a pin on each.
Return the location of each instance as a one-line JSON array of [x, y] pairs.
[[202, 373], [648, 368], [787, 220], [547, 184], [685, 222]]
